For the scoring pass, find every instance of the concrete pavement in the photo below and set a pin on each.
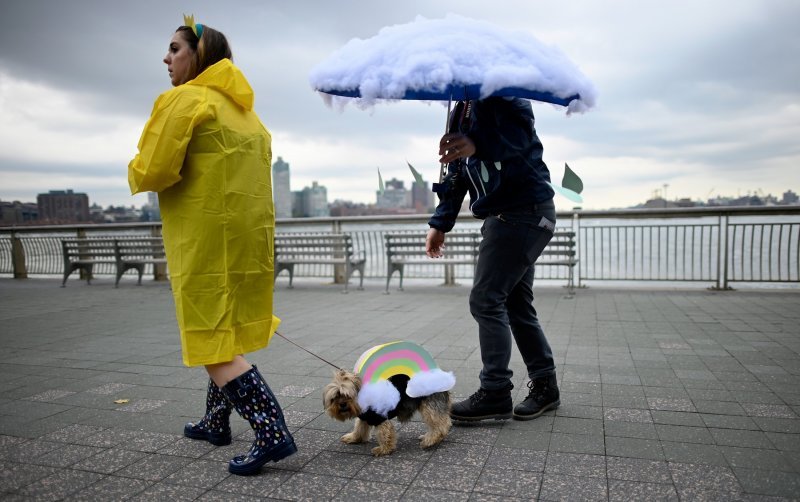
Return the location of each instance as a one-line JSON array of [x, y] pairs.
[[666, 395]]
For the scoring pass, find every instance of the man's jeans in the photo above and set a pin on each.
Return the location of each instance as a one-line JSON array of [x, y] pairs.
[[501, 300]]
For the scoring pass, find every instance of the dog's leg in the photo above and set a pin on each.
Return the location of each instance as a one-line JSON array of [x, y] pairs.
[[387, 439], [434, 411], [359, 434]]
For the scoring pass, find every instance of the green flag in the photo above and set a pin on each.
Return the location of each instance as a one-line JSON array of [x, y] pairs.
[[571, 180], [571, 185]]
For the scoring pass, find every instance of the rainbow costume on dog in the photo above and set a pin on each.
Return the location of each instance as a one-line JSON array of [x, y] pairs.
[[393, 372]]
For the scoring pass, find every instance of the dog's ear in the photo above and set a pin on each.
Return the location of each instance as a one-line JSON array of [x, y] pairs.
[[357, 381]]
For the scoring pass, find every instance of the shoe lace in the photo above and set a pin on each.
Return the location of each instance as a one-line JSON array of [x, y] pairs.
[[536, 388], [477, 397]]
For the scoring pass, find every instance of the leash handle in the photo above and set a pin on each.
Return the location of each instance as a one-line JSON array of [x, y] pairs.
[[305, 349]]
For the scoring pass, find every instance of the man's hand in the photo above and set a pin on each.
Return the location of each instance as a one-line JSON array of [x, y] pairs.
[[434, 243], [455, 146]]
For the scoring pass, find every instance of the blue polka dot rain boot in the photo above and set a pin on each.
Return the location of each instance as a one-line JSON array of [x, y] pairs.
[[255, 402], [215, 426]]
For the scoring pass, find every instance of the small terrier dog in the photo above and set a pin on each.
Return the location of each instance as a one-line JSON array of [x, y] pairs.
[[340, 398]]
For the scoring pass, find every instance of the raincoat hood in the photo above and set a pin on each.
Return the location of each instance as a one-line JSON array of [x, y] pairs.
[[229, 80]]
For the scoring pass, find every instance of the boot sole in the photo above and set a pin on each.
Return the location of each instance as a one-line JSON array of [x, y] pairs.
[[255, 466], [551, 406], [215, 439], [495, 416]]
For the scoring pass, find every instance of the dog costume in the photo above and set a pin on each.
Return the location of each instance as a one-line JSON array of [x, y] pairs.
[[393, 373]]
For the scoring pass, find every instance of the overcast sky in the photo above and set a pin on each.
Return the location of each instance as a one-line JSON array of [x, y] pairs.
[[703, 97]]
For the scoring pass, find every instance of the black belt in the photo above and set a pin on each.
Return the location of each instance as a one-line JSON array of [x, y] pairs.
[[533, 208]]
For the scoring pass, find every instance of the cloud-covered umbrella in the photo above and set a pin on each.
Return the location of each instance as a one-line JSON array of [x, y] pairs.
[[454, 58]]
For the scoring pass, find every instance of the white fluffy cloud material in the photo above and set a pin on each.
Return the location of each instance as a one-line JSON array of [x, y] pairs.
[[430, 382], [381, 397], [430, 54]]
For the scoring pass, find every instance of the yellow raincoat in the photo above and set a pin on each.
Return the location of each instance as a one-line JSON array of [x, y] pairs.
[[208, 156]]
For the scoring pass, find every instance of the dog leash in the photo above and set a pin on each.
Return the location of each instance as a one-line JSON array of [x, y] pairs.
[[305, 349]]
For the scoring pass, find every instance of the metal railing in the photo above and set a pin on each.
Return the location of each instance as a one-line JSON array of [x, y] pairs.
[[718, 246]]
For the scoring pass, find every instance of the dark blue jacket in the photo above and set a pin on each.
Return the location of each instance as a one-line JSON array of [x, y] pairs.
[[506, 173]]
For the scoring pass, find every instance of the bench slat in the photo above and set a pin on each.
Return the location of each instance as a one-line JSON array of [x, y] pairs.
[[317, 249], [461, 248]]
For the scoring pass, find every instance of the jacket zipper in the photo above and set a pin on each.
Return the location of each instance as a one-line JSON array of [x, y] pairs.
[[476, 187]]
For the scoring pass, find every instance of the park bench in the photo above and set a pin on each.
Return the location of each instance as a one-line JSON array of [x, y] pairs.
[[408, 248], [84, 254], [318, 249], [461, 248], [123, 253], [560, 252], [136, 253]]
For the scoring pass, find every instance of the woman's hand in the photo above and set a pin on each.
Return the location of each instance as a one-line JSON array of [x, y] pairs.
[[455, 146], [434, 243]]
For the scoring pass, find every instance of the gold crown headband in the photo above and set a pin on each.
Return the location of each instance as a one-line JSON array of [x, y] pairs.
[[196, 28]]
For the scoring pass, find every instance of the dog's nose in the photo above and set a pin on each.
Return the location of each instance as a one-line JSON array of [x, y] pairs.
[[343, 406]]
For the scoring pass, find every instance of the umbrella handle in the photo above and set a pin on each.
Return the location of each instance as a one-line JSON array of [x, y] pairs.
[[443, 166]]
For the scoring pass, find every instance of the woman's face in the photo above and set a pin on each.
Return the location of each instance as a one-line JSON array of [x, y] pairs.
[[179, 60]]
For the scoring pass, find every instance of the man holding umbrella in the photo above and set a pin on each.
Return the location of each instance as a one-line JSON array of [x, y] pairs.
[[494, 154]]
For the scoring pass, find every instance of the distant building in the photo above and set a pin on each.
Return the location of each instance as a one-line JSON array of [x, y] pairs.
[[789, 197], [394, 196], [123, 214], [281, 189], [59, 206], [17, 213], [151, 211], [422, 198], [311, 202], [152, 199], [341, 208]]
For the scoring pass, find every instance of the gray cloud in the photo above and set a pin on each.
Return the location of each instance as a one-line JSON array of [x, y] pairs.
[[709, 84]]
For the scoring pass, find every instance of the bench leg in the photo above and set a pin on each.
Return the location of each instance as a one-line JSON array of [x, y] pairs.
[[347, 272], [120, 271], [571, 281], [388, 279], [360, 269], [67, 273]]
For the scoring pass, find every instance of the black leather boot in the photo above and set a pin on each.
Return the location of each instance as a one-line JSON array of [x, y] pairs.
[[215, 426], [543, 395], [254, 401], [483, 405]]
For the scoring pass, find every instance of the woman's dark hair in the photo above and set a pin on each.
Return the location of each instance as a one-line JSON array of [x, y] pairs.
[[212, 47]]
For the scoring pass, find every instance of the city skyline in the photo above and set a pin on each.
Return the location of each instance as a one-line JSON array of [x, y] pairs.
[[655, 194]]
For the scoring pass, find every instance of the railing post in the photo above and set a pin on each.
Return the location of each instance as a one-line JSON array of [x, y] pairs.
[[159, 269], [576, 227], [722, 254], [449, 275], [18, 257], [339, 271]]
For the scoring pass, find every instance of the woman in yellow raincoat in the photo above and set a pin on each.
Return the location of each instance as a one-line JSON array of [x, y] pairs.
[[206, 153]]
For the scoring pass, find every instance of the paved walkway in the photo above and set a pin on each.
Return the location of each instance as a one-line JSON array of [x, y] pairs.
[[666, 395]]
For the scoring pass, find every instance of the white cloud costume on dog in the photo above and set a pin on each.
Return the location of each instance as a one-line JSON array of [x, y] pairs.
[[395, 371]]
